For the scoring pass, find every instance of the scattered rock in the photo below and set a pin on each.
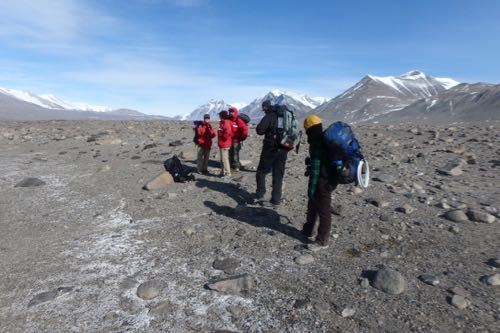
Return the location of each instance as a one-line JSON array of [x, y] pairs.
[[348, 312], [304, 259], [478, 216], [451, 169], [364, 283], [456, 215], [227, 265], [49, 296], [407, 209], [491, 280], [384, 217], [104, 168], [459, 290], [429, 279], [454, 229], [357, 190], [443, 204], [149, 146], [389, 281], [495, 262], [337, 209], [189, 232], [459, 302], [456, 150], [233, 285], [162, 180], [188, 154], [377, 202], [240, 232], [30, 182], [161, 310], [245, 163], [384, 178], [175, 143], [301, 303], [149, 290], [109, 141]]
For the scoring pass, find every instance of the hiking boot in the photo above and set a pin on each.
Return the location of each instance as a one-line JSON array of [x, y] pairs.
[[316, 246]]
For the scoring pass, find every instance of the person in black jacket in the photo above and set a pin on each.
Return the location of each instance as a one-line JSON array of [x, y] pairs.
[[272, 157]]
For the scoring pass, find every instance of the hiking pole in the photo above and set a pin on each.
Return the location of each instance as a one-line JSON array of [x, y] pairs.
[[298, 144]]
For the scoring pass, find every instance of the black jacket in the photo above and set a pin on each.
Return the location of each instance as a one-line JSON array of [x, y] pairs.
[[268, 127]]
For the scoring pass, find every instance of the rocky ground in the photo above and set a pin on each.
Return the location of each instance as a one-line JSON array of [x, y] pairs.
[[83, 248]]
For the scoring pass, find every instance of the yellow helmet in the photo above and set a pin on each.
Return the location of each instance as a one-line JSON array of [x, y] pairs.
[[311, 120]]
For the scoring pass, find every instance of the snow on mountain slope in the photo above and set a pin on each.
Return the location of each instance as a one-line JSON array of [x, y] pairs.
[[298, 102], [374, 96], [416, 83], [213, 107], [50, 101]]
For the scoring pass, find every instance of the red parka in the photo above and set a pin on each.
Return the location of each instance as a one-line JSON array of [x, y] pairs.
[[224, 133], [205, 133], [240, 128]]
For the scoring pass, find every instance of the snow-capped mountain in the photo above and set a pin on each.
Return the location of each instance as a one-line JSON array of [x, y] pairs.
[[464, 102], [374, 96], [50, 101], [213, 107], [299, 103], [25, 105]]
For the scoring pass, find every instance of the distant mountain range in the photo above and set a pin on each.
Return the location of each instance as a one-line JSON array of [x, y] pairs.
[[412, 96], [301, 104], [25, 105]]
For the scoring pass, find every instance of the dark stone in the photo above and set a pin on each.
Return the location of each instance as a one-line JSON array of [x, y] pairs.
[[30, 182], [149, 146], [175, 143], [227, 265]]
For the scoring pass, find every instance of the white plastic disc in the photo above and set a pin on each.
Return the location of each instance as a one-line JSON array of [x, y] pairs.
[[363, 174]]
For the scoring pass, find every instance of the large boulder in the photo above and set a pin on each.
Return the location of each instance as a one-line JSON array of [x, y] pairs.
[[162, 180]]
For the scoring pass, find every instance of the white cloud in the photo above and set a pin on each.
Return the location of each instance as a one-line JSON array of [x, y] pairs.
[[50, 24]]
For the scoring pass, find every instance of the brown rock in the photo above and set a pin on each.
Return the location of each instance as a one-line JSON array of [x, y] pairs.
[[162, 180]]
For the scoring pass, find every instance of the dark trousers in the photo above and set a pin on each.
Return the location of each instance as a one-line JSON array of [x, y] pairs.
[[271, 161], [320, 205], [234, 155]]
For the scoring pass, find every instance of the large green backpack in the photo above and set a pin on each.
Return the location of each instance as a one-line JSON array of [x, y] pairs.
[[287, 128]]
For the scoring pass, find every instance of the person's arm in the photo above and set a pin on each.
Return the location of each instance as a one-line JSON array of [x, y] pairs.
[[263, 125], [211, 131], [244, 129]]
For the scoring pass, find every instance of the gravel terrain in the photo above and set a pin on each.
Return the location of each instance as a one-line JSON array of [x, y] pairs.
[[83, 248]]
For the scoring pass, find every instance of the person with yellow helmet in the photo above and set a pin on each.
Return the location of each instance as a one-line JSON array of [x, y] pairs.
[[320, 187]]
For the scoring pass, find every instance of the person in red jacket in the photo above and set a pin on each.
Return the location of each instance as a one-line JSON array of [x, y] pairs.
[[240, 133], [224, 138], [204, 135]]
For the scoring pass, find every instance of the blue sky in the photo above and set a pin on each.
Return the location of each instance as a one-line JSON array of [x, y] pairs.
[[169, 56]]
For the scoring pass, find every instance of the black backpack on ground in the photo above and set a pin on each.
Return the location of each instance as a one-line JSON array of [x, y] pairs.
[[174, 166]]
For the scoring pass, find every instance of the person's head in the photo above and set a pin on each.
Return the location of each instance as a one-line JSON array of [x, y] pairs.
[[223, 114], [233, 112], [206, 118], [266, 106], [313, 127]]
